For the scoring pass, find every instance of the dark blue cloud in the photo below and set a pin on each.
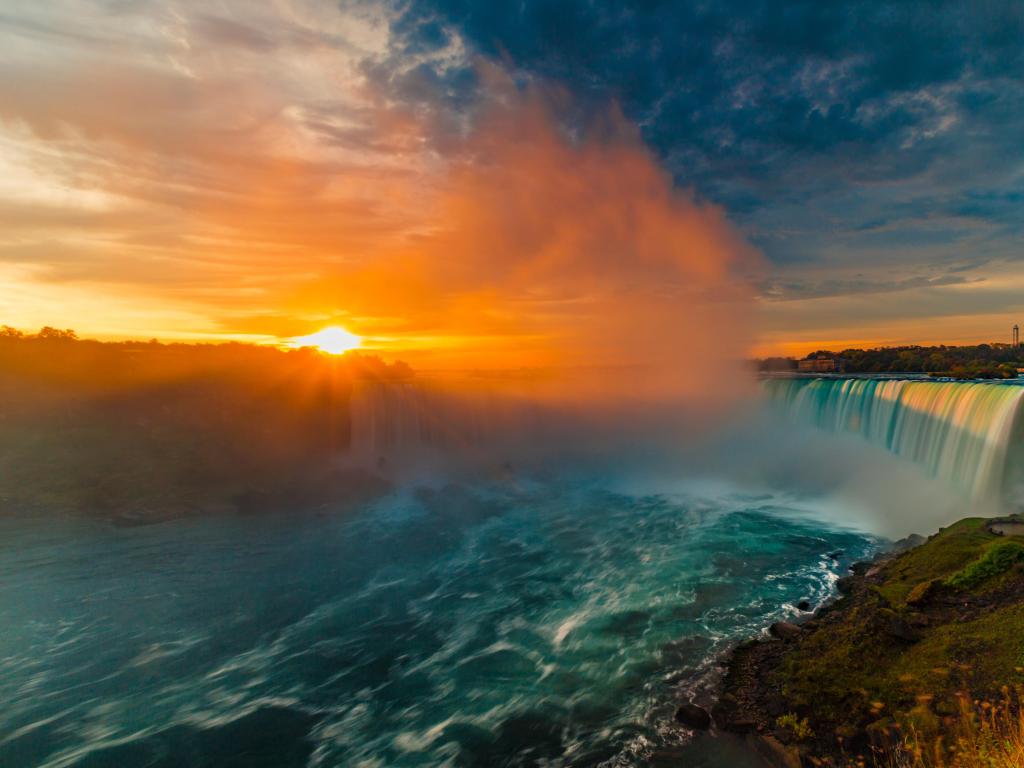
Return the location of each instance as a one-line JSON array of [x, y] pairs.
[[772, 107]]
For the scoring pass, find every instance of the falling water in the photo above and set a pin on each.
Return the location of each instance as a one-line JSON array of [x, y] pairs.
[[958, 431], [389, 417], [404, 423]]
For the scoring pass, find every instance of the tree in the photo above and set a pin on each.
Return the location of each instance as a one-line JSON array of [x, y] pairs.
[[55, 334], [1008, 371]]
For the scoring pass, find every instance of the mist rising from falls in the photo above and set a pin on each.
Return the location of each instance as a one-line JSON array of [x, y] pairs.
[[417, 425], [456, 426], [391, 418], [959, 432], [816, 441]]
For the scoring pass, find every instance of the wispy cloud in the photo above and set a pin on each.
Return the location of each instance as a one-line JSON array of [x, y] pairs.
[[218, 160], [263, 178]]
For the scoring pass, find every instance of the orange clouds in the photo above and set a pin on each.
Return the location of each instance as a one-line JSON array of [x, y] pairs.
[[235, 184], [544, 251]]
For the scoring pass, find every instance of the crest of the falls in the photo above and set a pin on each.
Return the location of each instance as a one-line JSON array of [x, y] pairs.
[[960, 432]]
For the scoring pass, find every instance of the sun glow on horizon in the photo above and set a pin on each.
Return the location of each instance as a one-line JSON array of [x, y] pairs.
[[333, 340]]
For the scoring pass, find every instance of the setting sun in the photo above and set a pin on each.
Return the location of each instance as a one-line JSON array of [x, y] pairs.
[[334, 340]]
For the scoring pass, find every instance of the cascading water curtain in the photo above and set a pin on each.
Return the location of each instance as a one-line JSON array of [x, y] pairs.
[[958, 431]]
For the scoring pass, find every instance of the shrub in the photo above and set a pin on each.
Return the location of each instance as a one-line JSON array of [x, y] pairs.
[[800, 729], [997, 560]]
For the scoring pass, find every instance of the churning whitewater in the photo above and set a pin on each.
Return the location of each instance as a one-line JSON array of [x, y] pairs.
[[537, 622]]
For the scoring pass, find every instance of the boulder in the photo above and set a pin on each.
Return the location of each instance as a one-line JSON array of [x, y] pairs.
[[804, 605], [924, 593], [785, 630], [910, 542], [903, 630], [692, 716]]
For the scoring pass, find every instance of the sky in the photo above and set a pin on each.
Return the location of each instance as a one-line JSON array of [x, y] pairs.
[[498, 184]]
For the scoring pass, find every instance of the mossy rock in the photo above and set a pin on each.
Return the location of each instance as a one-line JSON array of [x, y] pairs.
[[923, 592]]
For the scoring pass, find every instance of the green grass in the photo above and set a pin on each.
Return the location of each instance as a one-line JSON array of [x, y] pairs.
[[855, 675], [996, 561], [948, 552]]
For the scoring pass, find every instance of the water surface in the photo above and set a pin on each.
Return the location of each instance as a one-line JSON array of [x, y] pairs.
[[513, 624]]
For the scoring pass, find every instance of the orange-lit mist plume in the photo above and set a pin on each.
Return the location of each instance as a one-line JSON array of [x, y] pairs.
[[566, 272], [578, 257]]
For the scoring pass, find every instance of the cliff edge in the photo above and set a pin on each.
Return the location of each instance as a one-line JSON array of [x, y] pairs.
[[916, 643]]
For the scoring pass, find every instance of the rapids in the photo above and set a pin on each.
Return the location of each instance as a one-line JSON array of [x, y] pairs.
[[539, 621]]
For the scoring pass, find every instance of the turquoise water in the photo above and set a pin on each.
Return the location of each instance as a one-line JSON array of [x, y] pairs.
[[539, 623]]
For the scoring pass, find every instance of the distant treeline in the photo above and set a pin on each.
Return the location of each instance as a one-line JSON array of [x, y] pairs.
[[144, 430], [980, 361]]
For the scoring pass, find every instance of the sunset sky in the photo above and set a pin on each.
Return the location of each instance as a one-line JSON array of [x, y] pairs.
[[486, 183]]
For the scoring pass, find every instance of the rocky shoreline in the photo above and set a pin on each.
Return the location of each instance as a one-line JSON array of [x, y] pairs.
[[926, 622], [752, 700]]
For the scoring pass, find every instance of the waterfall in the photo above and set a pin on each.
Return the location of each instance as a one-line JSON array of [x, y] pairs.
[[411, 422], [957, 431], [391, 419]]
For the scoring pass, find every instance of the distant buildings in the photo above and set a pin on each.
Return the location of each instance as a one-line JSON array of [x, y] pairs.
[[819, 365]]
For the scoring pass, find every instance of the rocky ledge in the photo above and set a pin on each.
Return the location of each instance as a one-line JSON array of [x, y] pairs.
[[910, 636]]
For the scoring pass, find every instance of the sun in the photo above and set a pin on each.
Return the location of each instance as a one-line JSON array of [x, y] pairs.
[[334, 340]]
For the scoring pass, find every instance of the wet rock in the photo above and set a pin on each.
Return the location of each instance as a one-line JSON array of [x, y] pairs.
[[692, 716], [804, 605], [845, 585], [785, 630], [836, 555]]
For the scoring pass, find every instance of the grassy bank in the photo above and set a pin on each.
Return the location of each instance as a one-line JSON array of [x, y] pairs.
[[920, 663]]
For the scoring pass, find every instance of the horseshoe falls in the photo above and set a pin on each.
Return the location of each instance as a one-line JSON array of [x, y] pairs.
[[959, 432]]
